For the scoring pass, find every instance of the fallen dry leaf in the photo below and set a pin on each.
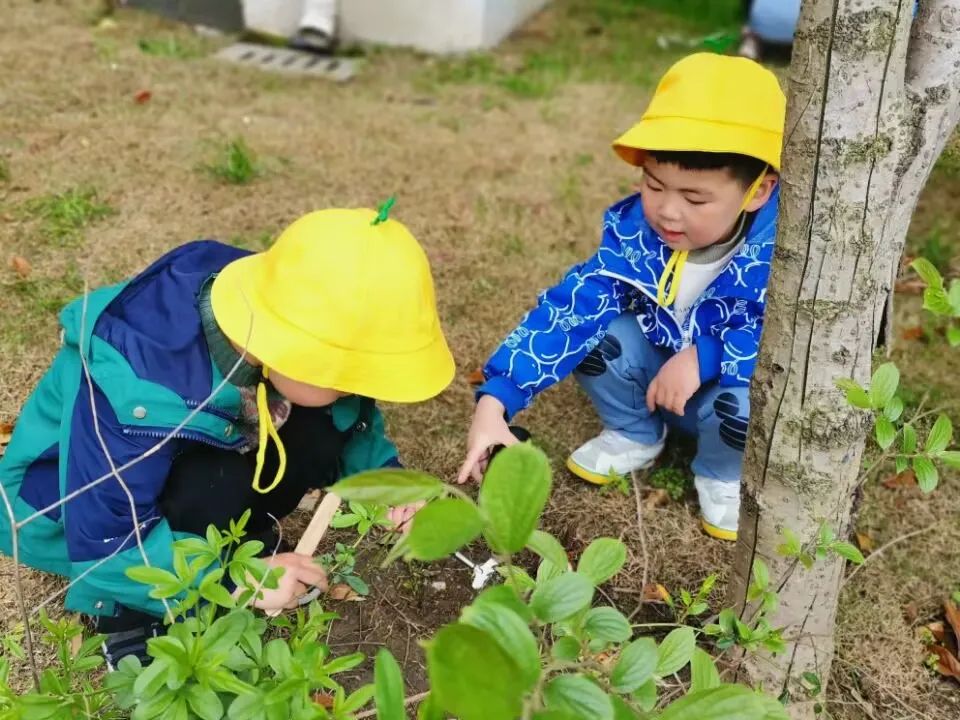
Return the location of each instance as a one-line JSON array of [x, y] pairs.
[[21, 266], [345, 593], [142, 97], [938, 630], [912, 333], [948, 663], [657, 497], [476, 377], [323, 699], [904, 479], [865, 542]]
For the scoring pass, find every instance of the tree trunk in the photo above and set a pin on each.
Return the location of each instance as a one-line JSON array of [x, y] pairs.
[[873, 96]]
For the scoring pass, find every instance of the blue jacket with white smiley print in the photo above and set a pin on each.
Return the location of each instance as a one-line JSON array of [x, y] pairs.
[[572, 317]]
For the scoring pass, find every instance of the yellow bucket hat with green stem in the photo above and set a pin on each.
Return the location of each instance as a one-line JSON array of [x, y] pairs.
[[344, 300], [709, 103]]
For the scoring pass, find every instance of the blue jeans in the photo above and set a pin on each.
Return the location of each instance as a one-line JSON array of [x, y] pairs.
[[616, 374]]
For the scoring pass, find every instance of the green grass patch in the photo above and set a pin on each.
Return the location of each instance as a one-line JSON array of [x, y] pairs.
[[65, 214], [256, 241], [233, 163], [630, 41], [171, 47]]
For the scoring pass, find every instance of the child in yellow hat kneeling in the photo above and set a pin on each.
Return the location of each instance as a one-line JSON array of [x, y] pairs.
[[661, 326], [292, 347]]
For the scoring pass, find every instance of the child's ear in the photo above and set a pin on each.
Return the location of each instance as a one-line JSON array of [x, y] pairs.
[[764, 191]]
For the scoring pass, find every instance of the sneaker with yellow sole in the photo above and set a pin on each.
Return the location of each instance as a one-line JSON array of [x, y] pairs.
[[719, 507], [611, 452]]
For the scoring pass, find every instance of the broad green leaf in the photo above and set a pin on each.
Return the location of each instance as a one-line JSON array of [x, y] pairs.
[[901, 463], [885, 432], [927, 272], [546, 570], [389, 487], [646, 696], [344, 520], [791, 546], [940, 435], [727, 702], [513, 495], [894, 409], [602, 559], [152, 678], [246, 707], [511, 633], [561, 597], [170, 648], [608, 624], [358, 698], [908, 443], [503, 595], [926, 472], [152, 576], [224, 633], [471, 677], [937, 301], [566, 648], [761, 574], [884, 385], [849, 552], [388, 683], [622, 711], [514, 576], [277, 655], [703, 672], [554, 715], [855, 394], [430, 710], [675, 651], [212, 591], [953, 335], [204, 703], [636, 665], [950, 458], [578, 696], [343, 663], [549, 548], [443, 527], [954, 297]]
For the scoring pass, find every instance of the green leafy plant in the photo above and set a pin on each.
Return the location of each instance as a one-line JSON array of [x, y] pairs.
[[897, 438], [689, 605], [219, 659], [673, 480], [234, 163], [617, 482], [170, 47], [64, 214], [540, 646], [67, 689]]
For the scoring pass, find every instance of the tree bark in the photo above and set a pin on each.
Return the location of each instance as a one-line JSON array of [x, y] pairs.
[[873, 96]]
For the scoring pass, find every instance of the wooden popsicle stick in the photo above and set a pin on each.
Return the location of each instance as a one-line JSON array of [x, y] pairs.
[[318, 524]]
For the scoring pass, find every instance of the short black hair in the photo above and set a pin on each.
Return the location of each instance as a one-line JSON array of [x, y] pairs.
[[744, 168]]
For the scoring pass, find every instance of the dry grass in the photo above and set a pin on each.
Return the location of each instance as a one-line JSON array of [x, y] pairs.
[[502, 167]]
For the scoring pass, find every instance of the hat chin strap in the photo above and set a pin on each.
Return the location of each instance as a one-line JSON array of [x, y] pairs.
[[678, 258], [266, 427]]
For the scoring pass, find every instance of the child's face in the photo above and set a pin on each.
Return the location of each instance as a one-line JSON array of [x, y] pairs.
[[691, 209], [302, 394]]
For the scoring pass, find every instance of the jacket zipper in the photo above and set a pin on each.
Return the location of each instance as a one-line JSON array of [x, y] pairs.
[[212, 410], [181, 435], [685, 335]]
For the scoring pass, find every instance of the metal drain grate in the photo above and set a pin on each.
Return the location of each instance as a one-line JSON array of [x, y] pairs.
[[285, 60]]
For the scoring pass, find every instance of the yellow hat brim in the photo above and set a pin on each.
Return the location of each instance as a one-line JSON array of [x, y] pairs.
[[694, 135], [247, 319]]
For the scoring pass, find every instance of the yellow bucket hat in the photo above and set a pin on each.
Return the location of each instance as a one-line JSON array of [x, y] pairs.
[[344, 300], [711, 103]]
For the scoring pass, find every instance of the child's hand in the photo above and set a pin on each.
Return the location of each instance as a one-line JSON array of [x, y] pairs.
[[299, 573], [401, 515], [675, 384], [488, 429]]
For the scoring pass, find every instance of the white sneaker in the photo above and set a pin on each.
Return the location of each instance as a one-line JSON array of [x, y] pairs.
[[719, 507], [610, 451]]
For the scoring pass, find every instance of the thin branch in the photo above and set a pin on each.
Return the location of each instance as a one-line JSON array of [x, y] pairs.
[[643, 544], [18, 581], [890, 544], [407, 701]]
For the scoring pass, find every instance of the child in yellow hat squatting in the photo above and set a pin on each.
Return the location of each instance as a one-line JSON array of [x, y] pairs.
[[300, 340], [661, 326]]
